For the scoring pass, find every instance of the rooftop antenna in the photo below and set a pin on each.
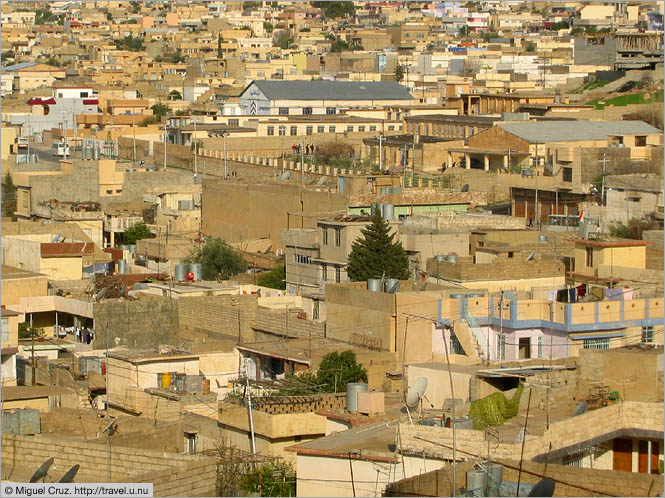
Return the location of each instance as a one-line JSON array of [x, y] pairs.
[[41, 471], [70, 474]]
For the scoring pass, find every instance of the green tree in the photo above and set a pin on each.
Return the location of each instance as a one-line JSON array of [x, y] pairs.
[[530, 47], [399, 73], [219, 260], [271, 478], [137, 232], [130, 43], [334, 10], [463, 31], [43, 16], [377, 254], [633, 229], [175, 95], [338, 369], [8, 196], [159, 110], [275, 279], [52, 61], [148, 121], [7, 55]]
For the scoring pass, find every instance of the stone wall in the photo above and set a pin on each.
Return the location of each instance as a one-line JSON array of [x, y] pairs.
[[299, 404], [217, 317], [145, 322], [503, 268]]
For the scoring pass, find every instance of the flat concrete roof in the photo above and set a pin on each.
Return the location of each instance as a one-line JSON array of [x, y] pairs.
[[146, 356], [15, 393], [11, 273]]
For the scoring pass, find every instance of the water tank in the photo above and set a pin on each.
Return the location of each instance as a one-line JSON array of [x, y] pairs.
[[197, 270], [495, 478], [441, 257], [453, 258], [374, 284], [476, 482], [123, 266], [388, 212], [180, 272], [352, 390], [391, 285]]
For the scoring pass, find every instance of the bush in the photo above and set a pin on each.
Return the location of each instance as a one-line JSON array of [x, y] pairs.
[[219, 260], [137, 232], [275, 279], [495, 409], [633, 229]]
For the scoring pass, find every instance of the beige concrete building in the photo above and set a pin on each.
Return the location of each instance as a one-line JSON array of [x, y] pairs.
[[9, 346]]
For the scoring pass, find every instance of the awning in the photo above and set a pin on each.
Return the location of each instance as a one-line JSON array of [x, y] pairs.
[[90, 101]]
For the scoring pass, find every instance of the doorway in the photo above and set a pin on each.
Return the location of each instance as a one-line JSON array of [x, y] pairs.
[[525, 348], [623, 455]]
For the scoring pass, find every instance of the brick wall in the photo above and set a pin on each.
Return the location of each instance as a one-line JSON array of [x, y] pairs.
[[217, 317], [278, 322], [300, 404], [502, 268]]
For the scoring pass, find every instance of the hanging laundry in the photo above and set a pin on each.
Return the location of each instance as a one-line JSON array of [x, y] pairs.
[[562, 296], [614, 294], [628, 294], [581, 290], [572, 295], [551, 295]]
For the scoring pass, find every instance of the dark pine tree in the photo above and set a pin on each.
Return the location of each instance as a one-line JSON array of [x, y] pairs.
[[376, 254]]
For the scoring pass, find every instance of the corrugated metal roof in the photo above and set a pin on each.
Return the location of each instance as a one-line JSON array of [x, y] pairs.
[[575, 131], [17, 67], [332, 90]]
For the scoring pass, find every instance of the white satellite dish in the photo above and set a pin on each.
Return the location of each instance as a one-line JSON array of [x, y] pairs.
[[416, 392]]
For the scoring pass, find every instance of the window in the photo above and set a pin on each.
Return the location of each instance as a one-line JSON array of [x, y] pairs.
[[190, 438], [633, 199], [455, 346], [324, 272], [109, 192], [261, 74], [320, 129], [283, 111], [331, 110], [647, 333], [325, 236], [338, 274], [540, 347], [307, 111], [316, 311], [294, 131], [589, 257], [302, 259], [234, 122], [282, 130], [349, 128], [640, 141], [271, 131], [5, 329], [331, 129], [567, 174], [338, 237], [391, 127], [511, 254], [372, 127], [309, 130], [600, 343], [361, 127]]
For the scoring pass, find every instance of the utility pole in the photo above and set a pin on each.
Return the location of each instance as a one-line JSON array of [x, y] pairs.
[[166, 125], [535, 172], [134, 129], [501, 338], [302, 160], [381, 139], [32, 337], [196, 153], [604, 162], [74, 124], [226, 172]]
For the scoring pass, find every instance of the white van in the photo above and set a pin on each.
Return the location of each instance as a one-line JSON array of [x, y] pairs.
[[60, 149]]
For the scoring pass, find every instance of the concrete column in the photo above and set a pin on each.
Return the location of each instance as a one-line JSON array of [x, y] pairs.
[[486, 162], [467, 161], [450, 159], [505, 161], [112, 239]]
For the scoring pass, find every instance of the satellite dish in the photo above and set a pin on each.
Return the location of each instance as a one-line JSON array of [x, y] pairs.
[[465, 188], [415, 392], [581, 408], [71, 473], [544, 487], [41, 471], [530, 256]]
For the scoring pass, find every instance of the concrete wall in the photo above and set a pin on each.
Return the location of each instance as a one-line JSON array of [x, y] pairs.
[[237, 212], [228, 318], [146, 322]]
